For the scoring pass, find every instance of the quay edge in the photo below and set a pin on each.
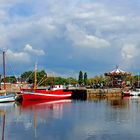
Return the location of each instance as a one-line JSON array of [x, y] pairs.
[[85, 94]]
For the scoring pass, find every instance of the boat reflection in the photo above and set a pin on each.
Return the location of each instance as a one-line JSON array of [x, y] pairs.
[[43, 104], [131, 97], [44, 108], [5, 110], [35, 103], [40, 112], [31, 115], [2, 113]]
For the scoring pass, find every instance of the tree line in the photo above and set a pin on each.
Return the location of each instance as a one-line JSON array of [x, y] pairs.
[[82, 80]]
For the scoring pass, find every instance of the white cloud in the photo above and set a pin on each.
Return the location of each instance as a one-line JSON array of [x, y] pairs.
[[82, 39], [20, 57], [84, 24], [3, 15], [93, 41], [129, 51], [29, 49]]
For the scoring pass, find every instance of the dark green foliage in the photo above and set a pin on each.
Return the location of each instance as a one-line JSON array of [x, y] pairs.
[[71, 81], [10, 79], [60, 80], [80, 80], [85, 78], [42, 79], [29, 76], [50, 80]]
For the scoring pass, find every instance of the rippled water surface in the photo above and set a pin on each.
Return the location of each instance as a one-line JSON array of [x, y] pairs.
[[97, 119]]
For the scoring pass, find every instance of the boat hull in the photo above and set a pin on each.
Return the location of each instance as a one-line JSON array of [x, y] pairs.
[[44, 95], [126, 93], [131, 93], [7, 98]]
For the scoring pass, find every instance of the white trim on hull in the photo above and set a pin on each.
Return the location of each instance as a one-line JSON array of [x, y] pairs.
[[9, 99], [51, 95]]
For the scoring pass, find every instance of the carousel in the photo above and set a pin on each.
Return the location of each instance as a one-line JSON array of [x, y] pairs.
[[116, 77]]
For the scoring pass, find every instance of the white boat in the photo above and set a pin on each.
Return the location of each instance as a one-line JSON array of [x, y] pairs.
[[7, 98]]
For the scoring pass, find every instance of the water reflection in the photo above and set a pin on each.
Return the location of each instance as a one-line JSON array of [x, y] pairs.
[[4, 109], [28, 116], [98, 119], [2, 113], [121, 119], [55, 107]]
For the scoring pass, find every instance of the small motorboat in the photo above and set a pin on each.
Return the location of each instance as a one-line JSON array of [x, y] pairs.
[[8, 97], [134, 92]]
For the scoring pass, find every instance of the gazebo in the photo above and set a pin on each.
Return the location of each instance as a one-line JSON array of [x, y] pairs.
[[117, 77]]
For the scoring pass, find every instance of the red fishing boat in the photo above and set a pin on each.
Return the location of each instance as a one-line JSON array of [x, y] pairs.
[[55, 92]]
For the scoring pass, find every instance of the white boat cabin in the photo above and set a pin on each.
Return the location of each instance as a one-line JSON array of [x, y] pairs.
[[56, 87]]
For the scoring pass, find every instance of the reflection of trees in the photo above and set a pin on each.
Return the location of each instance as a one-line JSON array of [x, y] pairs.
[[117, 110], [118, 103], [115, 102], [122, 110]]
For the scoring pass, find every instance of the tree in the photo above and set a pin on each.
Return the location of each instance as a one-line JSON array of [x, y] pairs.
[[29, 76], [85, 78], [41, 77], [9, 79], [50, 80], [80, 80], [71, 80]]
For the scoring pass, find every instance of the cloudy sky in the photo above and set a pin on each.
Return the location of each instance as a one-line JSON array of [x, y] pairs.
[[66, 36]]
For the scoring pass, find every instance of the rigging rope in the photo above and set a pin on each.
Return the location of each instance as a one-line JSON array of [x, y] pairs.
[[40, 82]]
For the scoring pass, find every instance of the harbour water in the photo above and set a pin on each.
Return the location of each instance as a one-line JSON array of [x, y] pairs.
[[96, 119]]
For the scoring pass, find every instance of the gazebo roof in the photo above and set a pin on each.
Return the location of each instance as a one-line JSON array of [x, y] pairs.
[[117, 71]]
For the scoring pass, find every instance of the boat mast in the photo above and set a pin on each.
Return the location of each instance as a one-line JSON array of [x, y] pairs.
[[35, 76], [45, 79], [4, 70]]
